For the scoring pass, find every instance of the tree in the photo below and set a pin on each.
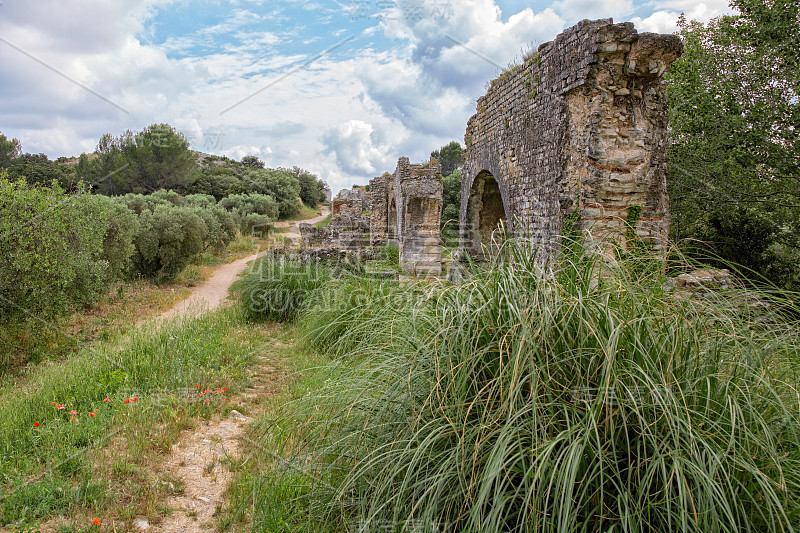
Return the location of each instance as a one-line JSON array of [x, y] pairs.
[[280, 184], [451, 200], [734, 159], [450, 156], [252, 161], [312, 189], [10, 149]]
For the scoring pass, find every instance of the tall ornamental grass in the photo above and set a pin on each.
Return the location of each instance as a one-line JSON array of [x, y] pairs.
[[578, 396]]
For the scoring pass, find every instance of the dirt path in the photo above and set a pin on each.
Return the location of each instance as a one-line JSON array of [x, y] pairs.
[[202, 457], [294, 227], [211, 293]]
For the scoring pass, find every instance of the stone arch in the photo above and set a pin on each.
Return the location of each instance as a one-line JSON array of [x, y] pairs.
[[487, 209]]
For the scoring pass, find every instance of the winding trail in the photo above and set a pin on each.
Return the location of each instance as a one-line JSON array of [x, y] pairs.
[[202, 457], [294, 227]]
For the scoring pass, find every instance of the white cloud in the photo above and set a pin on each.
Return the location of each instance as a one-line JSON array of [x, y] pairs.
[[666, 20], [574, 10], [357, 147]]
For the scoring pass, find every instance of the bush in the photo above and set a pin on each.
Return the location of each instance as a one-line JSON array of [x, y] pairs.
[[220, 226], [51, 249], [574, 398], [168, 239], [118, 246]]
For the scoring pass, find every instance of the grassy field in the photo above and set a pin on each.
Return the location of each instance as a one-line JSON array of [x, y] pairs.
[[304, 214], [579, 398], [81, 438]]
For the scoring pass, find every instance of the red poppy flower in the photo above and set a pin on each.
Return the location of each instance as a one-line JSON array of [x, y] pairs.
[[106, 399], [92, 415], [60, 407], [73, 412], [97, 521], [206, 401], [197, 386], [134, 399], [126, 401], [225, 389], [36, 424]]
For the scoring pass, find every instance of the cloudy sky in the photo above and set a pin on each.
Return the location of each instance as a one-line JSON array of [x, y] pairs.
[[342, 88]]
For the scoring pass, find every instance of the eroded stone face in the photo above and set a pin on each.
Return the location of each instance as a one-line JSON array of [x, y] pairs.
[[581, 124]]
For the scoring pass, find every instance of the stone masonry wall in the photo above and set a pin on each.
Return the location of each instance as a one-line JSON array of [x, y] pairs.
[[349, 226], [579, 125], [406, 209]]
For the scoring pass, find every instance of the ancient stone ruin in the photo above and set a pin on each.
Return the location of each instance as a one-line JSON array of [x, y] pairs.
[[406, 210], [579, 128], [403, 209], [349, 225], [576, 132]]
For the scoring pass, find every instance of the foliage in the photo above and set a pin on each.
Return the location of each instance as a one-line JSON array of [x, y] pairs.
[[280, 184], [451, 199], [10, 149], [734, 159], [450, 156], [169, 238], [51, 249], [312, 189], [576, 398], [118, 247]]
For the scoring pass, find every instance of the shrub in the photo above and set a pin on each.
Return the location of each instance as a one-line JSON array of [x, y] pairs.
[[577, 397], [168, 239], [118, 246], [51, 249], [220, 226]]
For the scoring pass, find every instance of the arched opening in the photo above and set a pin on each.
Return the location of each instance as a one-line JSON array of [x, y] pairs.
[[485, 214], [392, 224]]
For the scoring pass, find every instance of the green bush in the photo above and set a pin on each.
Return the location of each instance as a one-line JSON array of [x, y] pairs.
[[138, 203], [220, 226], [51, 249], [577, 398], [168, 239], [118, 246]]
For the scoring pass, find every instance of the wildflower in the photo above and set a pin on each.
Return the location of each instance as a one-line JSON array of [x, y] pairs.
[[92, 415], [36, 424], [126, 401], [225, 389], [97, 521], [134, 398], [197, 386], [59, 407], [206, 401], [106, 399], [73, 412]]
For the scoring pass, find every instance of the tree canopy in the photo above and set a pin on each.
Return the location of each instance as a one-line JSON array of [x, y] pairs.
[[734, 156]]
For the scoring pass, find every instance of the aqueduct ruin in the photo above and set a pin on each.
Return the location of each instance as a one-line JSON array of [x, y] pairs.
[[578, 130], [579, 127]]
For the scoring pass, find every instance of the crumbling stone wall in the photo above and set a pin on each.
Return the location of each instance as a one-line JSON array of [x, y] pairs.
[[578, 127], [407, 209], [349, 226]]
